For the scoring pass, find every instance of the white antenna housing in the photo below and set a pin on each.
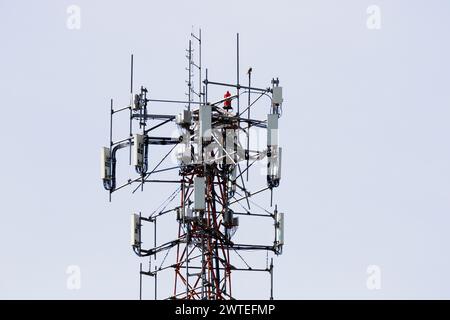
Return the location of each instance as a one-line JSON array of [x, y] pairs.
[[277, 96], [135, 230], [274, 166], [199, 193], [279, 229], [183, 151], [272, 129], [205, 122], [138, 150], [184, 118], [105, 163]]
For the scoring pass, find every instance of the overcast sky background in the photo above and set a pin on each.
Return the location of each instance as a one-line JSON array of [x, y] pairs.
[[366, 162]]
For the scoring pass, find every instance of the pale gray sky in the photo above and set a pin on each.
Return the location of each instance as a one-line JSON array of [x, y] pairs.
[[366, 171]]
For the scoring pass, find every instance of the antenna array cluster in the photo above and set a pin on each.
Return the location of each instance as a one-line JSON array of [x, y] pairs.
[[214, 162]]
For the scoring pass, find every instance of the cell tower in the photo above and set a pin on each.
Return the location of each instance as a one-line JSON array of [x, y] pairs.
[[214, 162]]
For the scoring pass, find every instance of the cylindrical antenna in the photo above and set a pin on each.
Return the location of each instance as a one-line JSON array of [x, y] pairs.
[[187, 263], [248, 117], [131, 82], [189, 78], [206, 85], [110, 126], [140, 281], [271, 279], [156, 284], [200, 65], [237, 70], [154, 257], [110, 136], [131, 104]]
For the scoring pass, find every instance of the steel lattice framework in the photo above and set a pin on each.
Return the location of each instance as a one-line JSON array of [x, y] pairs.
[[212, 164]]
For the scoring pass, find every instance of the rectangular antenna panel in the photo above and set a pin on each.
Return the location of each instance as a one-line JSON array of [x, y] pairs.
[[199, 193], [279, 228], [274, 163], [105, 163], [138, 150], [277, 95], [135, 230], [184, 118], [231, 139], [272, 129], [279, 162], [205, 122], [188, 212]]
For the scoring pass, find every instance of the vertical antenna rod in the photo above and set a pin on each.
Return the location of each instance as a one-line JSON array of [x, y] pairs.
[[237, 70], [131, 82], [271, 279], [140, 281], [248, 116], [131, 104], [190, 74], [110, 136], [200, 65], [154, 257]]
